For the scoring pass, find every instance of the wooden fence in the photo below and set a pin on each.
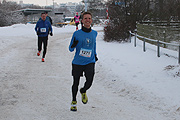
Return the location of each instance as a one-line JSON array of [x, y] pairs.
[[153, 40]]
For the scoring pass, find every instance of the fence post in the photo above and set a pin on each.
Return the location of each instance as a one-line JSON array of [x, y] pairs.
[[179, 55], [158, 48], [135, 37], [130, 37], [151, 33], [164, 38], [144, 47]]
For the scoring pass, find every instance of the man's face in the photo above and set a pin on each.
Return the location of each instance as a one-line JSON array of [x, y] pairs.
[[43, 16], [87, 20]]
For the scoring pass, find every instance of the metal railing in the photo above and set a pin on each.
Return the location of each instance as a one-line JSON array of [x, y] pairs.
[[157, 41]]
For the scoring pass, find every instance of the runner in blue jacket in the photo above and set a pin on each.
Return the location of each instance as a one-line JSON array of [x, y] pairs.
[[86, 47], [84, 42], [43, 28]]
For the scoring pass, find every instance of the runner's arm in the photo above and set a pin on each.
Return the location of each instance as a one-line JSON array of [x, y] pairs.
[[71, 43]]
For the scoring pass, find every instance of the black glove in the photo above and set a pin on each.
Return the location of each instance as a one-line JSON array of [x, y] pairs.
[[51, 34], [38, 33], [75, 42], [96, 58]]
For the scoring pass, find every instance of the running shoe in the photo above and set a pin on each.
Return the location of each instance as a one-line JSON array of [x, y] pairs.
[[84, 97], [43, 59], [74, 106], [38, 54]]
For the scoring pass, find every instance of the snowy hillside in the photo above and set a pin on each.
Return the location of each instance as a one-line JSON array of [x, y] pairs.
[[129, 84]]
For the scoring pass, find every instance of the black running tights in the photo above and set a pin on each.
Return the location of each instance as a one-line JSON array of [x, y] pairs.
[[87, 85], [43, 40]]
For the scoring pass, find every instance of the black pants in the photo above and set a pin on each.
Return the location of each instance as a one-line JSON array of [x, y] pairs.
[[43, 40], [77, 72], [77, 24], [81, 24]]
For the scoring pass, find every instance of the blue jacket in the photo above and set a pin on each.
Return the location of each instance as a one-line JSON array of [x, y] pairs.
[[43, 28], [86, 47]]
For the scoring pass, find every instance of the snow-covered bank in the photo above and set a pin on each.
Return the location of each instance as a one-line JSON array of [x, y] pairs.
[[129, 84], [143, 77]]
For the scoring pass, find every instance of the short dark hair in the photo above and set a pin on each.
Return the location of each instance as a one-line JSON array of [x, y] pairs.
[[85, 13], [42, 13]]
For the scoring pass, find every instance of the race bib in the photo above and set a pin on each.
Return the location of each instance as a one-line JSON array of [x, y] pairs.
[[43, 29], [85, 52], [77, 20]]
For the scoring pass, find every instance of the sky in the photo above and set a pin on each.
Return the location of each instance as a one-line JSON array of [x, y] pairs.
[[45, 2]]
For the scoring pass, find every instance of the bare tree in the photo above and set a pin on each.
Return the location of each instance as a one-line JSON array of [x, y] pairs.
[[117, 29], [7, 15], [125, 13], [97, 7]]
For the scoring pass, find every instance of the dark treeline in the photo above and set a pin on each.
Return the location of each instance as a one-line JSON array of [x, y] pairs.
[[125, 13], [9, 15]]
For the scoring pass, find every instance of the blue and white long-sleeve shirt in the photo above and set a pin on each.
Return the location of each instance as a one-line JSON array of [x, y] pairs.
[[43, 28], [86, 47]]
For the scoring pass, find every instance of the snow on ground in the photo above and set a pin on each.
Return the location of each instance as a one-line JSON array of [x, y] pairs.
[[129, 84]]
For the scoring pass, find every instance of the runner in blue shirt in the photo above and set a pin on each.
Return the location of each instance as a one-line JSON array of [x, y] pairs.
[[43, 28], [84, 42]]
